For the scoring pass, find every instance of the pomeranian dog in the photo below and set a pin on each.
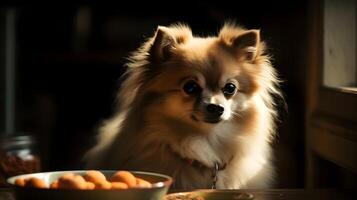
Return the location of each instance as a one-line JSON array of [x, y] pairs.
[[199, 109]]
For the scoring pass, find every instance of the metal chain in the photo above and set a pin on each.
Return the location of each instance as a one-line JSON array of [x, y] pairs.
[[214, 175]]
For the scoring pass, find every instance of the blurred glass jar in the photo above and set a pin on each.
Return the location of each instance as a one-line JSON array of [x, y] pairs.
[[18, 155]]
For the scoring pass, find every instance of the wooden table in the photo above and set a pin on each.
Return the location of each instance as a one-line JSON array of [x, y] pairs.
[[294, 194], [272, 194], [6, 194], [303, 194]]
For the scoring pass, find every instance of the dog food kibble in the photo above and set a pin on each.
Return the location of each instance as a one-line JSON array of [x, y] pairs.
[[90, 180], [124, 176]]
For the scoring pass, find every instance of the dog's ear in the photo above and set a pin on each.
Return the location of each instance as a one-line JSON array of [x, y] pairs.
[[243, 43], [162, 45], [248, 43]]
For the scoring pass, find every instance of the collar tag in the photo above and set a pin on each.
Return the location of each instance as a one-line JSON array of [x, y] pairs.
[[214, 175]]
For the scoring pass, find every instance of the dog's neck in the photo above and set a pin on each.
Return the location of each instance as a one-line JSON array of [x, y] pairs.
[[199, 165]]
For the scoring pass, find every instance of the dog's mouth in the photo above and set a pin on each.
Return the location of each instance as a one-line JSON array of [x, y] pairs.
[[206, 120], [194, 118], [212, 121]]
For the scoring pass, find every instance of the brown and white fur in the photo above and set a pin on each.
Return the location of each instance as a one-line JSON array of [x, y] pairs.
[[158, 126]]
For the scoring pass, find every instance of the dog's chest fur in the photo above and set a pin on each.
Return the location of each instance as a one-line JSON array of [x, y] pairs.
[[246, 156], [246, 161]]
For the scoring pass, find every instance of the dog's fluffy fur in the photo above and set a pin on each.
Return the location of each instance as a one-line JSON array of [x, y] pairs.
[[158, 125]]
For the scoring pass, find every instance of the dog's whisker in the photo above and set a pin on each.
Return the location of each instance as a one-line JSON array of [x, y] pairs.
[[236, 114]]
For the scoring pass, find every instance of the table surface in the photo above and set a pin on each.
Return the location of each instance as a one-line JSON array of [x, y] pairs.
[[296, 194], [270, 194]]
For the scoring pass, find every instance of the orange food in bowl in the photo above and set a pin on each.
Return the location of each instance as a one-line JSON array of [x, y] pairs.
[[20, 182], [124, 176], [142, 183], [35, 182], [90, 180], [54, 185], [90, 185], [72, 182], [103, 185], [94, 176], [119, 185]]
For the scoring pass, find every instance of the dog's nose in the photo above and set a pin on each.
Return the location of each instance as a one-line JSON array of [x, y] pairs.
[[215, 109]]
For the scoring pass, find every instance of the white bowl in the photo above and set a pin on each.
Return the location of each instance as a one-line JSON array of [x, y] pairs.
[[160, 186]]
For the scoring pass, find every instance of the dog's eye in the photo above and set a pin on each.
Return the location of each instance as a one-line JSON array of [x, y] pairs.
[[229, 89], [191, 87]]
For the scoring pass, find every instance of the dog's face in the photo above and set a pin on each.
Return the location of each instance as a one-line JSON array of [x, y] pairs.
[[202, 81]]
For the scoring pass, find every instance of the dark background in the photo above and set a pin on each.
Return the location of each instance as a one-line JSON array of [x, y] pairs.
[[70, 57]]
